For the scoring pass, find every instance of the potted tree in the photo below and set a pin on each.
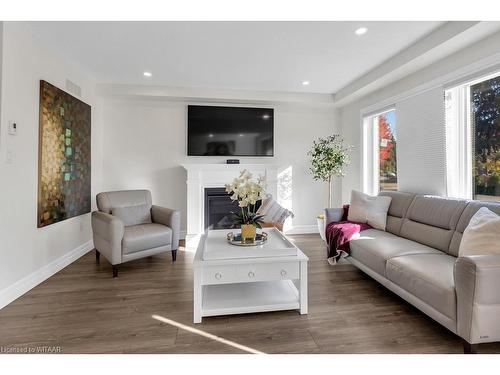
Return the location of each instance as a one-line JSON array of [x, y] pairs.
[[329, 158]]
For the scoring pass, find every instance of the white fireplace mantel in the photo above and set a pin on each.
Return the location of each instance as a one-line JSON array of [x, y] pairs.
[[201, 176]]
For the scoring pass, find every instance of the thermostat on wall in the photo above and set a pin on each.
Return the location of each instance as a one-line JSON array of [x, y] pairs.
[[12, 128]]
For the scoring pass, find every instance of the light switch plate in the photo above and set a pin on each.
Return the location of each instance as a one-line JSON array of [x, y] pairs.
[[12, 128]]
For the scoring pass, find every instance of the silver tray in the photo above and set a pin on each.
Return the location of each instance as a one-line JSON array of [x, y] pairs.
[[235, 239]]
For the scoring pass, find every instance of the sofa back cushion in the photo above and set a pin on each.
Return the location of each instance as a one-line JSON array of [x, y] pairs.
[[464, 220], [132, 206], [397, 210], [432, 220]]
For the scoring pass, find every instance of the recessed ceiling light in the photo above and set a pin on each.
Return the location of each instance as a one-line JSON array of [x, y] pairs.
[[210, 135], [305, 83], [147, 74], [361, 31]]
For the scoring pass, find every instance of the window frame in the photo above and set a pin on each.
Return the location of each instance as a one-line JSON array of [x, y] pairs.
[[370, 170], [459, 137]]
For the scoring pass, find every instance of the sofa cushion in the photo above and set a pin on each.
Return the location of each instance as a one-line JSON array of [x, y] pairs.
[[432, 220], [397, 210], [374, 247], [145, 236], [133, 215], [106, 201], [428, 277]]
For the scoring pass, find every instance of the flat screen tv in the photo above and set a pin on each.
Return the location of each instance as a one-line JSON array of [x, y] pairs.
[[230, 131]]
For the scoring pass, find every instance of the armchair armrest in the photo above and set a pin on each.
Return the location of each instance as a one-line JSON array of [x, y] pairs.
[[108, 234], [477, 281], [333, 215], [170, 218]]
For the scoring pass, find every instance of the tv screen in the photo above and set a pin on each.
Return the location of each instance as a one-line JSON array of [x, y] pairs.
[[230, 131]]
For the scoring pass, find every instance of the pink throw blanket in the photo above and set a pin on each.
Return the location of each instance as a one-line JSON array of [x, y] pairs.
[[338, 234]]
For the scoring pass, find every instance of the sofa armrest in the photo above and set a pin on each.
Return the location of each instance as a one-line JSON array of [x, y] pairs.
[[108, 234], [477, 281], [333, 215], [170, 218]]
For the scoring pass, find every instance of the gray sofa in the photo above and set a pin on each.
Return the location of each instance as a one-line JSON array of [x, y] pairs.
[[128, 226], [417, 258]]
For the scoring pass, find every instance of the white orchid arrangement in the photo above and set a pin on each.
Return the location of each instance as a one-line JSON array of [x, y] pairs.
[[247, 192]]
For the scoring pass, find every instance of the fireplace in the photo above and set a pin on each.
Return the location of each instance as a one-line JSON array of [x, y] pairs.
[[207, 176], [219, 208]]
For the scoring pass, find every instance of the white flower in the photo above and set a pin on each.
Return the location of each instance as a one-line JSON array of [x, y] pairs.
[[245, 175], [243, 203]]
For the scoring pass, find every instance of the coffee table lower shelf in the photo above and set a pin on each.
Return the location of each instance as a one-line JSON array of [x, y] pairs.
[[241, 298]]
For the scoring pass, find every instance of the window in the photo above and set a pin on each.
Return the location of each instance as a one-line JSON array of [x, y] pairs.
[[379, 148], [473, 139]]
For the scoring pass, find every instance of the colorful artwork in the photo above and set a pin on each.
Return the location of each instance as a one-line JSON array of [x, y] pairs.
[[64, 156]]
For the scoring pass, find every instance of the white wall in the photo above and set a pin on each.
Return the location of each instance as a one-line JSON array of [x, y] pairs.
[[24, 249], [424, 89], [145, 145]]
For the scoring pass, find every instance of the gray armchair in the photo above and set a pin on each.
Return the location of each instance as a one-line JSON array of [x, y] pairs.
[[128, 226]]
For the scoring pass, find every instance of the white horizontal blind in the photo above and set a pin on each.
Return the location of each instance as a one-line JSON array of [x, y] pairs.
[[421, 143]]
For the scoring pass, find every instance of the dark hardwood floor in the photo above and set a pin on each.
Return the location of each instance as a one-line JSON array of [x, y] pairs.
[[83, 309]]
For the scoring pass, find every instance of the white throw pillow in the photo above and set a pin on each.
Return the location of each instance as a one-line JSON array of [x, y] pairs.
[[482, 235], [367, 209]]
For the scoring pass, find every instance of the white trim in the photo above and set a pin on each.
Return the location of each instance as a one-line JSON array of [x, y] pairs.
[[20, 287], [379, 111], [182, 234], [302, 229], [475, 77], [446, 81], [370, 149], [459, 135]]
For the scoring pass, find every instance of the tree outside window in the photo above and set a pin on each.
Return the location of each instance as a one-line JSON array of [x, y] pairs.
[[485, 115], [388, 169]]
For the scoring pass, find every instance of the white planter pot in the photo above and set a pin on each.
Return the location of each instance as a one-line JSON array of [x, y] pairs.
[[321, 228]]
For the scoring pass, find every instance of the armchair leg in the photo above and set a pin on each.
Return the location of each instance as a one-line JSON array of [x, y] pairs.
[[97, 256], [115, 271], [470, 348], [174, 255]]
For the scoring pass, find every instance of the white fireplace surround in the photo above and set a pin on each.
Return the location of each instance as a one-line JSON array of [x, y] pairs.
[[201, 176]]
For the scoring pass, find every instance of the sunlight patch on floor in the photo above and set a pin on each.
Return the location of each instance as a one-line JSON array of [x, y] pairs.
[[206, 334]]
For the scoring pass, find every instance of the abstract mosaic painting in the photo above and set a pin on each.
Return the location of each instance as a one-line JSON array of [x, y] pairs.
[[64, 156]]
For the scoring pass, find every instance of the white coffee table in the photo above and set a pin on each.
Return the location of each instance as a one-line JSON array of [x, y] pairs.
[[230, 279]]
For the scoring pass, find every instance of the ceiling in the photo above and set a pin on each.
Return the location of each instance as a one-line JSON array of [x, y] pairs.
[[274, 56]]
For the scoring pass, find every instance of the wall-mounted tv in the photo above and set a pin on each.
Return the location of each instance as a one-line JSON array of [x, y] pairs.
[[230, 131]]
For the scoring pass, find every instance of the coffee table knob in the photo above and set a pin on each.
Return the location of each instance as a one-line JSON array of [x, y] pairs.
[[251, 275], [218, 276], [283, 272]]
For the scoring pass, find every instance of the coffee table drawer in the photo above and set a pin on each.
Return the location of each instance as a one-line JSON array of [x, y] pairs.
[[219, 275], [267, 272]]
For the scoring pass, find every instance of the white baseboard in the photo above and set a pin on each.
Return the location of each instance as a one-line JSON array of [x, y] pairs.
[[16, 290], [302, 229]]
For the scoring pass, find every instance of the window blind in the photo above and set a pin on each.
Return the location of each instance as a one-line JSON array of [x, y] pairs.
[[421, 139]]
